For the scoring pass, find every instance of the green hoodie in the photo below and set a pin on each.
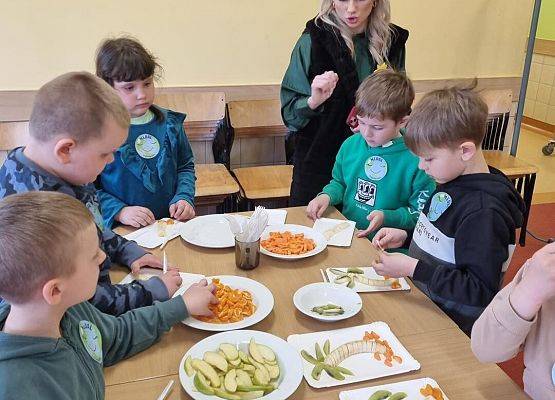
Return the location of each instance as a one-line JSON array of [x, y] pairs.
[[383, 178], [71, 367]]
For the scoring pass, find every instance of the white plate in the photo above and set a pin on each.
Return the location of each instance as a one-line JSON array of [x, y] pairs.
[[289, 361], [210, 231], [147, 273], [309, 233], [261, 297], [411, 388], [364, 366], [319, 294], [369, 272], [341, 239], [148, 236]]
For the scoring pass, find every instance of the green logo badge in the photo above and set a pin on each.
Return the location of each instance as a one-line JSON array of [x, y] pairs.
[[375, 168], [92, 340], [440, 202], [147, 146]]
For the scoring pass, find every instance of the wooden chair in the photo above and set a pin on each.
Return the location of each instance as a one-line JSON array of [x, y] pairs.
[[499, 109], [12, 135], [256, 119], [206, 123], [215, 187]]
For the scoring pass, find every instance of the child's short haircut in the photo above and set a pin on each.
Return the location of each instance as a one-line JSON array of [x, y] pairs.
[[37, 241], [124, 59], [446, 118], [386, 94], [76, 104]]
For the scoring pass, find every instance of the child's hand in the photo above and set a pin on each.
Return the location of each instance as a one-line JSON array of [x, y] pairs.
[[537, 285], [199, 296], [317, 206], [389, 238], [376, 218], [395, 265], [322, 88], [135, 216], [172, 280], [148, 260], [182, 211]]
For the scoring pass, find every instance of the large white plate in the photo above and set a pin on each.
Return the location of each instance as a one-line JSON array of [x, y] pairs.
[[261, 297], [289, 361], [208, 231], [319, 294], [364, 366], [148, 236], [411, 388], [309, 233], [371, 273], [341, 239]]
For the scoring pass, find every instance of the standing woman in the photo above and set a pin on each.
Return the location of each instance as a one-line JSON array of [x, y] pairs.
[[344, 44]]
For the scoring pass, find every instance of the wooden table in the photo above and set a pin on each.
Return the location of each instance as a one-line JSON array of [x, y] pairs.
[[214, 185], [268, 182], [431, 337], [522, 174]]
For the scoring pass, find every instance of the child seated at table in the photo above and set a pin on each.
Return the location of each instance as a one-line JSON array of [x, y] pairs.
[[53, 343], [153, 172], [465, 235], [375, 177], [522, 316], [76, 124]]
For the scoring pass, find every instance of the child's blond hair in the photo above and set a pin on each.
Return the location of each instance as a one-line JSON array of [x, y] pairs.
[[385, 94], [37, 241], [76, 104], [446, 118]]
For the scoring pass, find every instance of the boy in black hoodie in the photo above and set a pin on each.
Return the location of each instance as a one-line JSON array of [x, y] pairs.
[[465, 236]]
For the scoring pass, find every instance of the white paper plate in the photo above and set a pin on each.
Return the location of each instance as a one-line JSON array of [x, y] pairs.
[[148, 236], [364, 366], [310, 233], [369, 272], [147, 273], [411, 388], [341, 239], [289, 361], [319, 294], [210, 231], [261, 297]]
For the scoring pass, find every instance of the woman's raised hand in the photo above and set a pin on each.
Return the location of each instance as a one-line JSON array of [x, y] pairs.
[[322, 88]]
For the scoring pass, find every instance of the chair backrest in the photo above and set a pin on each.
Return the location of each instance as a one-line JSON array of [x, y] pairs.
[[499, 109], [12, 135]]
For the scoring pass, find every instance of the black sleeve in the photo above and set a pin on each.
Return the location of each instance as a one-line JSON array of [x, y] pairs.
[[481, 247]]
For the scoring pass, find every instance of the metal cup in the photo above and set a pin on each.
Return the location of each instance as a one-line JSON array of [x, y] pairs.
[[247, 254]]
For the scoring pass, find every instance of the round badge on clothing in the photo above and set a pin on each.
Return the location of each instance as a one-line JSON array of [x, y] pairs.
[[375, 168], [147, 146], [439, 204], [92, 340]]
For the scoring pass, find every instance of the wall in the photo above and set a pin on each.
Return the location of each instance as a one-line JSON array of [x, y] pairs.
[[237, 42], [546, 23]]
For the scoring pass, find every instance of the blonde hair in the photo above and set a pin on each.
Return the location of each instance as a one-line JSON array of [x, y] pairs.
[[76, 104], [37, 241], [378, 30], [385, 94], [446, 118]]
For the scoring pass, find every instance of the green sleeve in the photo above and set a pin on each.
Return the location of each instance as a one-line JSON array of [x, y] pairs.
[[295, 87], [406, 217], [336, 188], [138, 329]]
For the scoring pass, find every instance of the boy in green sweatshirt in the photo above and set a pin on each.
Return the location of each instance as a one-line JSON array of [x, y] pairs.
[[375, 177], [53, 343]]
